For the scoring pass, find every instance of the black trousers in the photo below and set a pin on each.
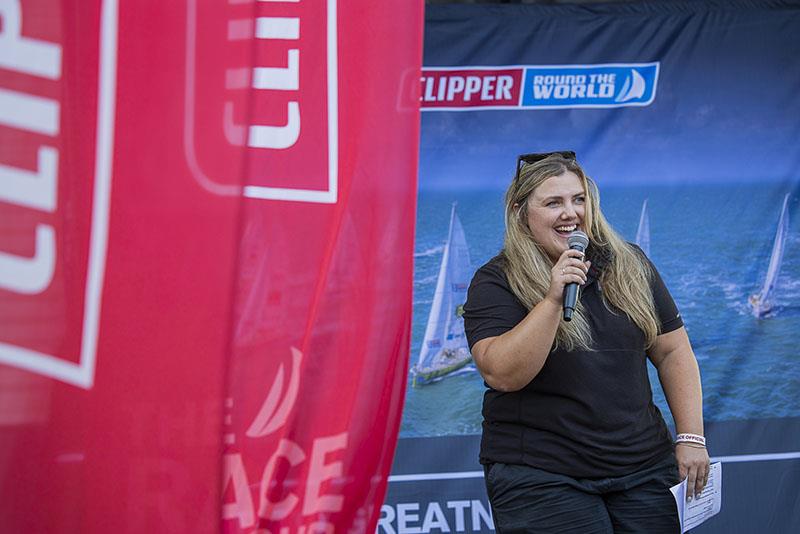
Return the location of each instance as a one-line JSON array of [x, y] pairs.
[[530, 500]]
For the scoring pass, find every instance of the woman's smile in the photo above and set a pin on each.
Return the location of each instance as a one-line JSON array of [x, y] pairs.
[[555, 210]]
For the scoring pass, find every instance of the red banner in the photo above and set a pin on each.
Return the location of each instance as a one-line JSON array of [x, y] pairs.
[[322, 323], [206, 226]]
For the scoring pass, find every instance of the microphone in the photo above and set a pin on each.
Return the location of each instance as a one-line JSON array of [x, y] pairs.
[[577, 241]]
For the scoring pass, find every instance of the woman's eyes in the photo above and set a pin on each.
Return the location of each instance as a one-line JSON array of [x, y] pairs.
[[555, 203]]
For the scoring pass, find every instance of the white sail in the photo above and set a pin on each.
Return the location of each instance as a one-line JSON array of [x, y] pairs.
[[633, 87], [761, 302], [444, 347], [643, 232]]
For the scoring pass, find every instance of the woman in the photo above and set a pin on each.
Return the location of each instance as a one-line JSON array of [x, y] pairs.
[[572, 441]]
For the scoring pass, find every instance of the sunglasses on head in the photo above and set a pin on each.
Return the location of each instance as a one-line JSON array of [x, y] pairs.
[[533, 158]]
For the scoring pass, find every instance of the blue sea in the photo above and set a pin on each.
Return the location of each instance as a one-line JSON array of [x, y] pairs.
[[711, 244]]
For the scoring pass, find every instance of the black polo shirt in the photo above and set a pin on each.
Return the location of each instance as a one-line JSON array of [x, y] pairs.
[[587, 414]]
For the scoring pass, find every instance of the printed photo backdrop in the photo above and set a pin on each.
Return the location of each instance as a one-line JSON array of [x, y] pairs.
[[686, 116]]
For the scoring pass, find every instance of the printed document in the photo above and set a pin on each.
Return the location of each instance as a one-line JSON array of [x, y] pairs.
[[703, 505]]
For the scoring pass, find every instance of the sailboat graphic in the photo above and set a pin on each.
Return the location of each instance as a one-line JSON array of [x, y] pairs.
[[643, 232], [444, 348], [633, 87], [761, 303]]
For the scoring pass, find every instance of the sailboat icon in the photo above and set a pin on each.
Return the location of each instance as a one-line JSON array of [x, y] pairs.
[[761, 303], [633, 87]]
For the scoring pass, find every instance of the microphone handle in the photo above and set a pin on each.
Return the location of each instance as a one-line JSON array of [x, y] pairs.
[[571, 294], [570, 299]]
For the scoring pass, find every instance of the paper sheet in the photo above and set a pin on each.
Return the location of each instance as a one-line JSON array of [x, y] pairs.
[[708, 503]]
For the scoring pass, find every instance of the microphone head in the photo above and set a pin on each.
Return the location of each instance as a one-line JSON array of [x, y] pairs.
[[578, 240]]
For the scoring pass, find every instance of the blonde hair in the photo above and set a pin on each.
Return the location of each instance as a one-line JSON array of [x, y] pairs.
[[625, 279]]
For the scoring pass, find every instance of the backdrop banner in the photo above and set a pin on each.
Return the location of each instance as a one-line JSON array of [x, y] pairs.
[[685, 114], [206, 239]]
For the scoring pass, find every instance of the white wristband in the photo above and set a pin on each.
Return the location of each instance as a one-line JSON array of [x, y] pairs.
[[690, 438]]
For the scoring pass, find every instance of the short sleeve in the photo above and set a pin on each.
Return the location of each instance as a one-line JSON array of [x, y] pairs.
[[491, 308], [667, 311]]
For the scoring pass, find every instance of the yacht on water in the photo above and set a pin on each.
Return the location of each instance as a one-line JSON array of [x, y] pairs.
[[643, 232], [761, 303], [444, 349]]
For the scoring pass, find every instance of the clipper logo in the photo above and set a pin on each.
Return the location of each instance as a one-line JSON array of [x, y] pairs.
[[274, 93], [540, 87], [250, 499], [478, 87], [50, 294]]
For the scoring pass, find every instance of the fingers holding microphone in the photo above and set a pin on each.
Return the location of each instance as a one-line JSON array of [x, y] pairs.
[[569, 269], [574, 266]]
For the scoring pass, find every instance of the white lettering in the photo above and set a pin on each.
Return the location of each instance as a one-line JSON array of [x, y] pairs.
[[458, 506], [455, 85], [314, 500], [488, 87], [434, 518], [319, 471], [561, 91], [30, 56], [31, 276], [280, 510], [404, 515], [577, 91], [28, 112], [280, 78], [386, 519], [242, 506], [542, 91], [277, 28], [473, 86], [504, 84], [560, 79], [37, 190], [277, 136], [428, 89], [606, 90], [442, 87], [478, 513]]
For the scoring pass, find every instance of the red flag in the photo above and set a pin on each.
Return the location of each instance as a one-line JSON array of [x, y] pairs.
[[321, 329], [205, 262]]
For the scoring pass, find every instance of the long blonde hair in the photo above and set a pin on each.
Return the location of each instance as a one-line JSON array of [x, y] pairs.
[[625, 279]]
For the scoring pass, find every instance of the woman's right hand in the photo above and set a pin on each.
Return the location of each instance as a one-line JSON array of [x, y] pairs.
[[569, 268]]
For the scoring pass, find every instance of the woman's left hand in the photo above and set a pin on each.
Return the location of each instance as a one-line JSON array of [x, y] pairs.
[[693, 465]]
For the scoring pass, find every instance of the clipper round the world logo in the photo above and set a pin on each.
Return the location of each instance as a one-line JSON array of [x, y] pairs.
[[55, 192], [539, 86]]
